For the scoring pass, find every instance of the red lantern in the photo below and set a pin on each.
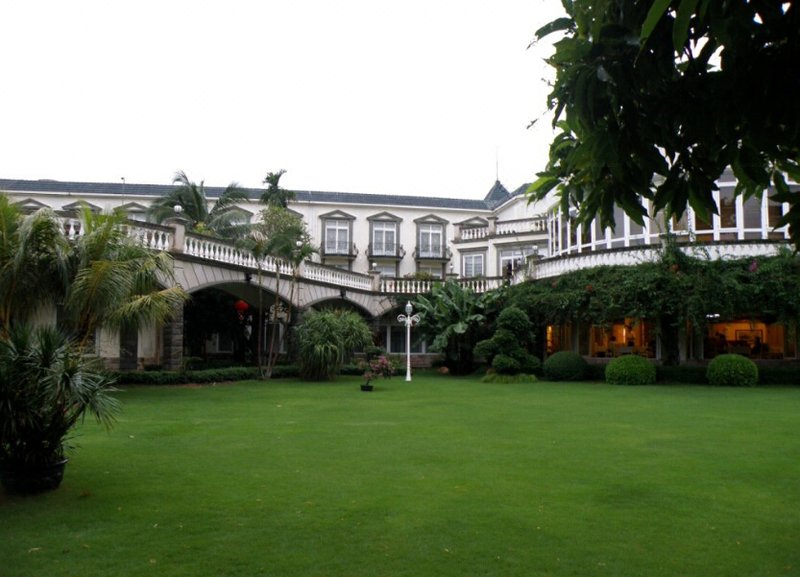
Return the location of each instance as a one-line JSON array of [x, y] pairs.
[[241, 307]]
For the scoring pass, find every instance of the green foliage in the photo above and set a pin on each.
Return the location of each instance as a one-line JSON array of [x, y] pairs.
[[507, 351], [731, 370], [564, 366], [672, 292], [327, 339], [275, 195], [530, 364], [654, 99], [493, 376], [201, 376], [104, 278], [506, 365], [223, 219], [630, 370], [46, 387], [455, 318]]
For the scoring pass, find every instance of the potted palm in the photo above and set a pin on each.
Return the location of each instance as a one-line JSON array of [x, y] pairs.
[[46, 387]]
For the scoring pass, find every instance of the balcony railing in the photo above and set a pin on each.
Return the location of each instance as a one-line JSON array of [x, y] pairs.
[[412, 286], [339, 248], [386, 250], [433, 253], [503, 228]]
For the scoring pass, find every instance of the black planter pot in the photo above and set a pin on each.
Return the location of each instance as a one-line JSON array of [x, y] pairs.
[[366, 387], [22, 480]]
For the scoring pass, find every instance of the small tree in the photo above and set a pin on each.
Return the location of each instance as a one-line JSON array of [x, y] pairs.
[[326, 339], [508, 350]]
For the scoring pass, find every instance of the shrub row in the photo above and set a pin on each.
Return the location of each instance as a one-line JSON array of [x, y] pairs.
[[201, 376], [564, 368], [565, 365]]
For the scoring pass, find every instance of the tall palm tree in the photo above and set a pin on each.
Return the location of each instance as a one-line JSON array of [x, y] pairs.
[[275, 195], [223, 219]]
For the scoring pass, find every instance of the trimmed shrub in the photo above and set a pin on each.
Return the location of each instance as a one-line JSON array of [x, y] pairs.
[[531, 365], [730, 370], [204, 376], [505, 365], [630, 370], [486, 349], [565, 366], [493, 377]]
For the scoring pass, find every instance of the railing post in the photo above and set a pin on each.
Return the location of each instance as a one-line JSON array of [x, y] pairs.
[[492, 225], [376, 280], [179, 237]]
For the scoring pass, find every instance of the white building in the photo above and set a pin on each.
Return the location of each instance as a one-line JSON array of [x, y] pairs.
[[377, 250]]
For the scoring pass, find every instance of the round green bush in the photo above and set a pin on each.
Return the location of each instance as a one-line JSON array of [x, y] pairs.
[[630, 370], [565, 366], [731, 370], [505, 365]]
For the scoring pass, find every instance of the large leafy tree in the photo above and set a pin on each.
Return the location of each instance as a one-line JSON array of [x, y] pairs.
[[655, 98], [455, 318], [222, 217]]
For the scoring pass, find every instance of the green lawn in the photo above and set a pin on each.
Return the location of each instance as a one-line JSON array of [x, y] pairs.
[[438, 477]]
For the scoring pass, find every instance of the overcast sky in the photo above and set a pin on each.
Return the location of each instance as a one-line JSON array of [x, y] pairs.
[[421, 97]]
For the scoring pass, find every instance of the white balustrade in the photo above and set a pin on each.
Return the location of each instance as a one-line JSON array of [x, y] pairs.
[[557, 266], [521, 226], [475, 233], [336, 276]]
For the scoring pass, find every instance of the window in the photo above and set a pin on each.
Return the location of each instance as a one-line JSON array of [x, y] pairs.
[[775, 209], [337, 236], [430, 241], [435, 271], [472, 265], [515, 257], [384, 238], [387, 270], [727, 209], [397, 341]]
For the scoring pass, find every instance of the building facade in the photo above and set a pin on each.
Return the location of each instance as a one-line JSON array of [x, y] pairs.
[[376, 251]]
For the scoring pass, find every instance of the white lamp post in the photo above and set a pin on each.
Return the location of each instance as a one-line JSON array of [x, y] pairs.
[[409, 320]]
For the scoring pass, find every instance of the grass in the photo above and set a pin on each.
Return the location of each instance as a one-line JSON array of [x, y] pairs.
[[441, 476]]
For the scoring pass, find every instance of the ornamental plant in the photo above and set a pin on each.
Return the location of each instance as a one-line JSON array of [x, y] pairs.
[[630, 370], [377, 368], [730, 370], [565, 366]]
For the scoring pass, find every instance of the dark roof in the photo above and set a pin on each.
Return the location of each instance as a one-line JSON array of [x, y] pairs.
[[497, 195]]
